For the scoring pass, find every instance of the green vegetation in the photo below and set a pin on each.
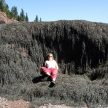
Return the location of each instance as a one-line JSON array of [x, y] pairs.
[[81, 49], [37, 19], [13, 13]]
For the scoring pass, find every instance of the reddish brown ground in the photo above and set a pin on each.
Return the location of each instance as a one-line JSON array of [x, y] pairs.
[[5, 19]]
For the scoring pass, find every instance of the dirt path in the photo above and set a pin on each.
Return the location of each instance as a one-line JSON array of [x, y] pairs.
[[4, 103]]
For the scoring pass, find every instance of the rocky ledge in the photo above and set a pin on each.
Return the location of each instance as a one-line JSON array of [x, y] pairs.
[[5, 19]]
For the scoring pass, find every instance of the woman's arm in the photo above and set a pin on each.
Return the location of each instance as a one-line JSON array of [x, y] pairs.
[[45, 64], [56, 65]]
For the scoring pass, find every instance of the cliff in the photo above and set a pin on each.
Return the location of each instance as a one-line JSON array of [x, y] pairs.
[[81, 49], [5, 19]]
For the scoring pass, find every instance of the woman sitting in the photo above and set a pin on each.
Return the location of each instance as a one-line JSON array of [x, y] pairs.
[[50, 68]]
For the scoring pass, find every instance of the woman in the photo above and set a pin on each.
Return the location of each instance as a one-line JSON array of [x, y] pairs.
[[50, 68]]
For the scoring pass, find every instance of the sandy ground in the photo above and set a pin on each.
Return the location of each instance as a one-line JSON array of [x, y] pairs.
[[4, 103]]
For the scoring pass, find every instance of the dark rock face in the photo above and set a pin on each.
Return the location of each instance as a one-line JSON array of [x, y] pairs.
[[80, 47]]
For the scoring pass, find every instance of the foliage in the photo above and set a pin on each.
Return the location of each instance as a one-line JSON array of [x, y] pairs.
[[26, 17], [37, 19], [81, 49], [13, 13], [22, 15], [1, 5]]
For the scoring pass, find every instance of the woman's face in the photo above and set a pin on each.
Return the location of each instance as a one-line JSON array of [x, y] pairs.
[[50, 57]]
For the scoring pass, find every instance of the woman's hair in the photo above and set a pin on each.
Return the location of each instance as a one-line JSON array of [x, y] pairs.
[[49, 54]]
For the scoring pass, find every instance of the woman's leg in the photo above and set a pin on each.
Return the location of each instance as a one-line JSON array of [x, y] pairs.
[[54, 73], [46, 71]]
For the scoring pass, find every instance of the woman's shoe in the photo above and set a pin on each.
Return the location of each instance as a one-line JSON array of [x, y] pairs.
[[52, 84]]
